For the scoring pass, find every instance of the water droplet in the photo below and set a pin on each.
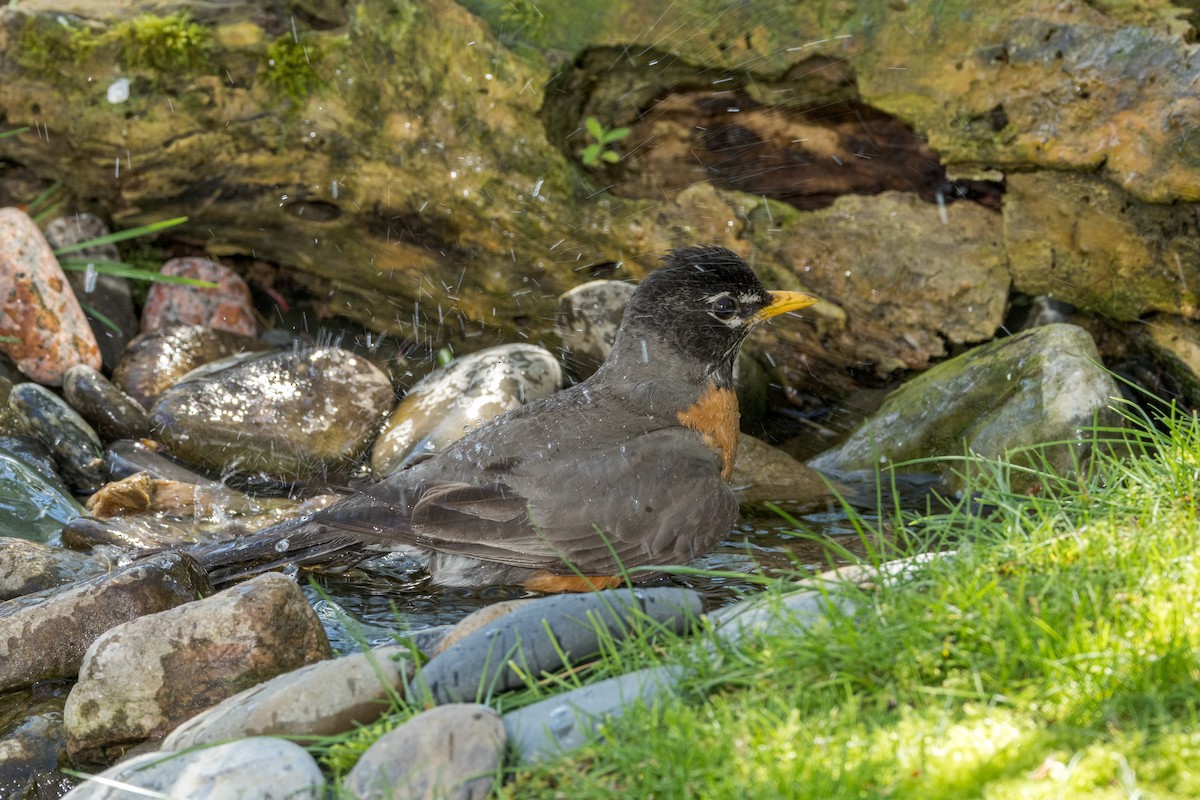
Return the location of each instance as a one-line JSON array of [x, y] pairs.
[[118, 91], [561, 722], [282, 545]]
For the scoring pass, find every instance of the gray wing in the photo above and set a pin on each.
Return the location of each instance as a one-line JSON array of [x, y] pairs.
[[655, 499]]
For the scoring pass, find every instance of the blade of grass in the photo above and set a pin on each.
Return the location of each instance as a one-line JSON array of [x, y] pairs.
[[120, 236], [123, 270]]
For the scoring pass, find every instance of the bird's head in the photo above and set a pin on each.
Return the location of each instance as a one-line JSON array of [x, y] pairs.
[[700, 306]]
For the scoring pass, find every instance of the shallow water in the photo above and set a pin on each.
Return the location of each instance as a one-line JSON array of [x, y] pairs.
[[372, 607]]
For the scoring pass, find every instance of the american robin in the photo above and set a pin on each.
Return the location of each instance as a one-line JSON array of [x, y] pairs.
[[627, 469]]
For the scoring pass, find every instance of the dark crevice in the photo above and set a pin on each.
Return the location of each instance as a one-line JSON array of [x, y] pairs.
[[814, 142]]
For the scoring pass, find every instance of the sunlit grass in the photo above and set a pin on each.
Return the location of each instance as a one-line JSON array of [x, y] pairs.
[[1055, 653]]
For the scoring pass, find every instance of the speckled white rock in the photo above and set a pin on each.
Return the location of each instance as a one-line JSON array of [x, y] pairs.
[[587, 322], [287, 414], [249, 769], [37, 306], [468, 392], [451, 752]]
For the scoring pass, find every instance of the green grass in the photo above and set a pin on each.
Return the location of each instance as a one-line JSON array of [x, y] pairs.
[[1055, 654]]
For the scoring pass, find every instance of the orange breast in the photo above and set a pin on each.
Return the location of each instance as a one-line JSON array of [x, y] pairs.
[[715, 415]]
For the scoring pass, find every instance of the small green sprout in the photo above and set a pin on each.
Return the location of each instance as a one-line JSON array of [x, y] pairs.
[[599, 149]]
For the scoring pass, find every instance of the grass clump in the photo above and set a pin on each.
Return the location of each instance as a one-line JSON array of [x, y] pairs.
[[1055, 653]]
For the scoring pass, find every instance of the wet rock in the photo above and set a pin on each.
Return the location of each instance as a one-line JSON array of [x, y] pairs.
[[907, 281], [27, 567], [34, 503], [158, 359], [31, 750], [107, 294], [1087, 242], [322, 699], [44, 635], [286, 414], [567, 721], [225, 307], [114, 414], [587, 321], [39, 309], [136, 532], [1043, 385], [75, 446], [262, 768], [452, 752], [765, 474], [469, 391], [792, 614], [537, 637], [141, 679]]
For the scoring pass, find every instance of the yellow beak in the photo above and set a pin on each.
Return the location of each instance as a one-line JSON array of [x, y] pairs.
[[783, 302]]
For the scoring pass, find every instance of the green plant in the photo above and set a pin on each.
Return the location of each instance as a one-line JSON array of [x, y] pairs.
[[602, 139], [173, 43], [291, 68]]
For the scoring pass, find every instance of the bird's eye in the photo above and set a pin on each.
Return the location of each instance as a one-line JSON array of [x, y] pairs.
[[724, 308]]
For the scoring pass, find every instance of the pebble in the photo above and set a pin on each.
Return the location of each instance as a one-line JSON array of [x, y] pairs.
[[562, 723], [469, 391], [452, 752], [141, 679], [322, 699], [44, 635], [27, 567], [35, 504], [71, 441], [262, 768], [158, 359], [114, 414], [587, 321], [537, 637], [291, 414], [107, 294], [39, 309], [225, 307]]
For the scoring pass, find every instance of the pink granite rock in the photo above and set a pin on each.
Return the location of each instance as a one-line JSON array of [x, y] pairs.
[[226, 307], [37, 307]]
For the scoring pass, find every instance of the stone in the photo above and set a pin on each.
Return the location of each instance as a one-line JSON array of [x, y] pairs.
[[27, 567], [97, 292], [45, 635], [765, 474], [224, 307], [545, 635], [290, 414], [32, 749], [261, 768], [907, 281], [142, 679], [1087, 242], [321, 699], [452, 752], [39, 309], [587, 321], [35, 504], [479, 619], [1174, 343], [158, 359], [113, 414], [70, 439], [1042, 385], [563, 723], [452, 400]]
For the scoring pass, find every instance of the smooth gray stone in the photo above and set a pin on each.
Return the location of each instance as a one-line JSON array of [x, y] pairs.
[[261, 768], [563, 723], [451, 752], [535, 637]]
